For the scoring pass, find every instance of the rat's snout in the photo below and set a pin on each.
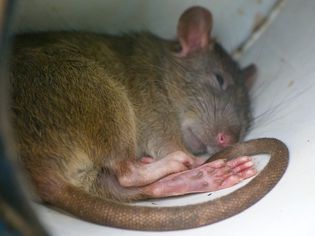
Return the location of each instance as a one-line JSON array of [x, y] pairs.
[[225, 139]]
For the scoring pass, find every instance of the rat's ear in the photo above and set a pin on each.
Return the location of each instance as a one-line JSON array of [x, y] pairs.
[[249, 75], [193, 30]]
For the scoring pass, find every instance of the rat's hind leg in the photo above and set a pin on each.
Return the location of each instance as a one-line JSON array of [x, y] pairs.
[[140, 173], [211, 176]]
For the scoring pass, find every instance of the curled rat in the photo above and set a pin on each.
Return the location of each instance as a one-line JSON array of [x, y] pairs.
[[102, 119]]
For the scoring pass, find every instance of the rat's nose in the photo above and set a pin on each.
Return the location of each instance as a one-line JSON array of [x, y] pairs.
[[225, 139]]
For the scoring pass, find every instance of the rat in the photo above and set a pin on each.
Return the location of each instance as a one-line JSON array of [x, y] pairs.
[[101, 120]]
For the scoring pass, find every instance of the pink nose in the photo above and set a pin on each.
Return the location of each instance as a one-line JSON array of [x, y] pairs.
[[224, 139]]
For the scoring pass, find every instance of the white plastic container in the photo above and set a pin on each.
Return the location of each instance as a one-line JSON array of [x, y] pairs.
[[282, 96]]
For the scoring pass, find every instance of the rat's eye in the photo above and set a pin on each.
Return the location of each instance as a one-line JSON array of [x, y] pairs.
[[220, 80]]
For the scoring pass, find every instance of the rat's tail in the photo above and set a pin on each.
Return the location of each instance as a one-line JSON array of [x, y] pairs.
[[116, 214]]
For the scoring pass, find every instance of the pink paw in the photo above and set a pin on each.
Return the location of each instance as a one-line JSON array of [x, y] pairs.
[[211, 176], [220, 174]]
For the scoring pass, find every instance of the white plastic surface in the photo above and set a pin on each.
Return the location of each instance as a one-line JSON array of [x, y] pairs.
[[234, 20], [283, 104]]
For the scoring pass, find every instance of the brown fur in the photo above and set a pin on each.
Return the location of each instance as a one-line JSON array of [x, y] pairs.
[[85, 106]]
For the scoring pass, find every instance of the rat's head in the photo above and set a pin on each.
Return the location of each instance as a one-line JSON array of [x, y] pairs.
[[212, 98]]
